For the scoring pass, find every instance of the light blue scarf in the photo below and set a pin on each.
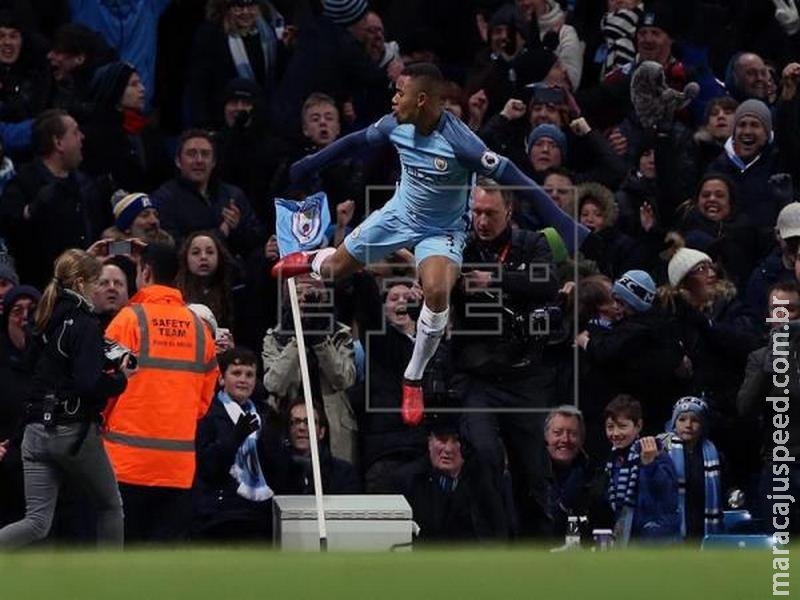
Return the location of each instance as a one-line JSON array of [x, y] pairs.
[[713, 508], [269, 44], [246, 469]]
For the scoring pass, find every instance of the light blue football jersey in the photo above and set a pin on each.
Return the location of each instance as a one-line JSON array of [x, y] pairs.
[[438, 170]]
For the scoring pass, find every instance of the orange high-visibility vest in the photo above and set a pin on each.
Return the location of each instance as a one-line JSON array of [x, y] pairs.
[[150, 428]]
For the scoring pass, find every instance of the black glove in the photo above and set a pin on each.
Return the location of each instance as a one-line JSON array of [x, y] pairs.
[[550, 41], [247, 424], [242, 119], [781, 188]]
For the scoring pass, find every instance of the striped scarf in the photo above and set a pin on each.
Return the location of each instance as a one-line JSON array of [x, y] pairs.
[[623, 490], [713, 493], [619, 31], [246, 468]]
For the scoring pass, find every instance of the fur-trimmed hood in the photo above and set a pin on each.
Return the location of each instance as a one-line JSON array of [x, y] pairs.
[[603, 196]]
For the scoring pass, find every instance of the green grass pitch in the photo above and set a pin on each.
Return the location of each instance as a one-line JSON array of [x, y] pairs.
[[239, 574]]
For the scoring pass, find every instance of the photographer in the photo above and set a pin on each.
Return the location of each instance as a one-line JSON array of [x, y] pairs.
[[504, 309], [72, 380]]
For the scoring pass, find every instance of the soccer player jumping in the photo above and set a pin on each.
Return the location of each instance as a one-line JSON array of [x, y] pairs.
[[429, 210]]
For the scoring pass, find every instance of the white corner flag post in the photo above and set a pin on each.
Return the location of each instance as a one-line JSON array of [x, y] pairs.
[[312, 421]]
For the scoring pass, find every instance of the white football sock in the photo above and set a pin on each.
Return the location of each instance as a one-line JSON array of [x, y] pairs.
[[430, 328], [319, 258]]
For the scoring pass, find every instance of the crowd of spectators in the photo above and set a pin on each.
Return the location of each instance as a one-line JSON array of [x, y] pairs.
[[671, 129]]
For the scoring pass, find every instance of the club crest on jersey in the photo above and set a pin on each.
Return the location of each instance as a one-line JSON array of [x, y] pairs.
[[490, 160], [306, 224], [440, 163]]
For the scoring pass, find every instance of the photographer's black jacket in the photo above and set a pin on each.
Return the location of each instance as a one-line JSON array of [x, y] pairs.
[[524, 288], [69, 357]]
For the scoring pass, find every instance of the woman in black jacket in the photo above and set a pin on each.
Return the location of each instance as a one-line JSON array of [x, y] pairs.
[[713, 224], [70, 389]]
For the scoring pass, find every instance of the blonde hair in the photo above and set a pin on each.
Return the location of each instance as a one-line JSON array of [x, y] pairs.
[[70, 266]]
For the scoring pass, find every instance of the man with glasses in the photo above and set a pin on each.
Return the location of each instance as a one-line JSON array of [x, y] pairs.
[[338, 476]]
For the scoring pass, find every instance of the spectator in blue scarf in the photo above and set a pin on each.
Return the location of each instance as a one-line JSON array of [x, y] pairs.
[[697, 466]]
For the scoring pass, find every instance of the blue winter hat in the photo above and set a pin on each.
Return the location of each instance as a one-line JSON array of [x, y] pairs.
[[549, 131], [691, 404], [127, 208], [344, 12], [636, 289]]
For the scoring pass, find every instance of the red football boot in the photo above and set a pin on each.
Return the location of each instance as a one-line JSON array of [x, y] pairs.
[[292, 265], [413, 407]]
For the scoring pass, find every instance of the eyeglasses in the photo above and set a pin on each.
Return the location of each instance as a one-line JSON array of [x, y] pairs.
[[295, 422]]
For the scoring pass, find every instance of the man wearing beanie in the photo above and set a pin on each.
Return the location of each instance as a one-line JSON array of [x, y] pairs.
[[754, 161], [547, 148], [136, 215], [330, 58], [639, 354]]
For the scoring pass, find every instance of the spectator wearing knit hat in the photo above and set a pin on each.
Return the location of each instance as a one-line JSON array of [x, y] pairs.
[[330, 57], [240, 39], [136, 216], [120, 143], [129, 26], [697, 465], [566, 45], [638, 354], [757, 151], [547, 148], [610, 103], [717, 331]]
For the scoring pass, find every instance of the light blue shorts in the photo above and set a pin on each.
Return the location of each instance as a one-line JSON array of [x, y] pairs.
[[386, 231]]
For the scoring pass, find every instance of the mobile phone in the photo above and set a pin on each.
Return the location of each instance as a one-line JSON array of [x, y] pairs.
[[548, 95], [119, 247]]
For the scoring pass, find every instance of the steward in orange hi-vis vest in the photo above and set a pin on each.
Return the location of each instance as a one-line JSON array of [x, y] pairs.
[[150, 428]]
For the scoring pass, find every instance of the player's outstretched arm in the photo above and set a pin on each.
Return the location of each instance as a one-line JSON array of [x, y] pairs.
[[548, 211], [344, 147]]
